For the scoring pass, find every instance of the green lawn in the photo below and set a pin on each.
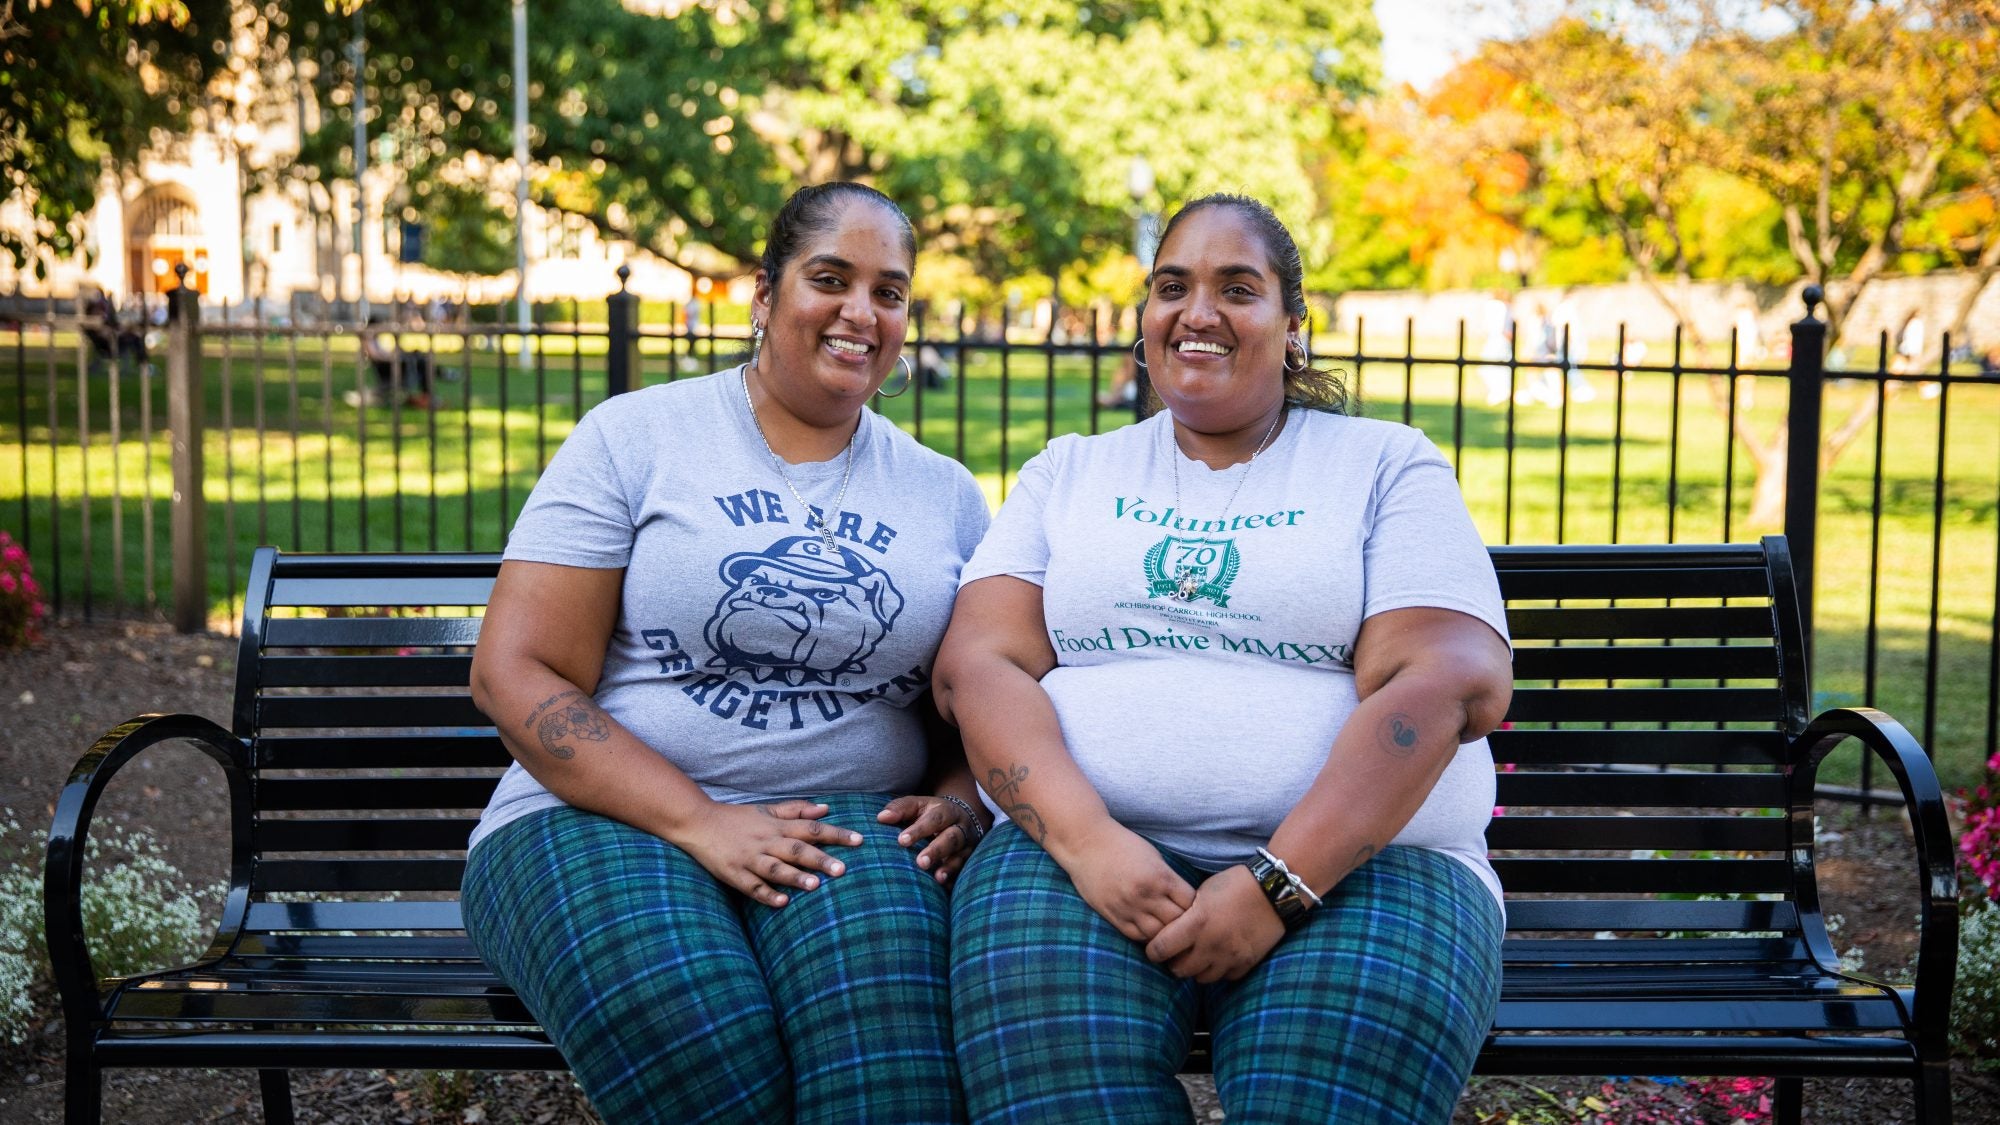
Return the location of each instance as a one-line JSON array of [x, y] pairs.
[[452, 478]]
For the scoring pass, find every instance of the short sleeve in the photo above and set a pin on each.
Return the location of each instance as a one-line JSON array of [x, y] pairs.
[[579, 513], [974, 517], [1422, 548], [1017, 544]]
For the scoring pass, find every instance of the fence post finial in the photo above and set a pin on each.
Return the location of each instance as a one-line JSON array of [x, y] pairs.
[[1802, 453], [621, 311]]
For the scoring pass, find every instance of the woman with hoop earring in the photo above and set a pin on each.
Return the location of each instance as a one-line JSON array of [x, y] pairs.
[[716, 872]]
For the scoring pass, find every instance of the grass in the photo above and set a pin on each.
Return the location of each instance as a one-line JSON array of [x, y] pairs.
[[1650, 464]]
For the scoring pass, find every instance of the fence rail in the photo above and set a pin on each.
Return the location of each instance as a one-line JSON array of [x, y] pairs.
[[1885, 479]]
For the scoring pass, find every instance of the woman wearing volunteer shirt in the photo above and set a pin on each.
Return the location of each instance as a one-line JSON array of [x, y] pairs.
[[716, 873], [1229, 672]]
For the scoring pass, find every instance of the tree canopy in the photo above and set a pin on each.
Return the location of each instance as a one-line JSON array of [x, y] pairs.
[[84, 88], [1006, 127]]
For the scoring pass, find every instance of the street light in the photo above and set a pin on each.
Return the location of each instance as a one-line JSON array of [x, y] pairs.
[[1146, 234]]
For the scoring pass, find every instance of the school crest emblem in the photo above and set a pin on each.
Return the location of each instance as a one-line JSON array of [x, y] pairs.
[[1188, 569]]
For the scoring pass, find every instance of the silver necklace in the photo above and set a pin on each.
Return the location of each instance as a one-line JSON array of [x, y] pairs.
[[816, 524], [1188, 579]]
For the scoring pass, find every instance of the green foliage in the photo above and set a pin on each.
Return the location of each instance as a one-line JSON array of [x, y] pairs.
[[465, 231], [85, 84], [1007, 130], [139, 914]]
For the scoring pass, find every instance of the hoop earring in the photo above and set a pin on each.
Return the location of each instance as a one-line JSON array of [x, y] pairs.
[[1305, 358], [756, 343], [1139, 351], [909, 376]]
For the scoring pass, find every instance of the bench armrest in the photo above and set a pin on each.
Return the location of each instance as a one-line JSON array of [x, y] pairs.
[[62, 878], [1937, 862]]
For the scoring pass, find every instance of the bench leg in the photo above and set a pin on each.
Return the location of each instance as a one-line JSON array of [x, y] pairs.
[[1934, 1093], [1788, 1100], [83, 1087], [277, 1087]]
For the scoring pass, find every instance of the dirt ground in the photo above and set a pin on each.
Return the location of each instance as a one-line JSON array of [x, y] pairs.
[[84, 678]]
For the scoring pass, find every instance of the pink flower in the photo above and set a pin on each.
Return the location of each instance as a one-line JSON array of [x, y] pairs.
[[13, 554], [7, 583]]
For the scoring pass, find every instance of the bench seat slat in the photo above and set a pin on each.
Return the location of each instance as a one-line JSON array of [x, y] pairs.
[[429, 750], [371, 632], [1650, 915], [1544, 747], [344, 793], [442, 949], [270, 917], [1590, 704], [283, 711], [1703, 624], [1641, 1011], [1649, 582], [1660, 833], [1645, 662], [1651, 951], [1645, 876], [274, 875], [345, 1005], [350, 834], [1643, 790]]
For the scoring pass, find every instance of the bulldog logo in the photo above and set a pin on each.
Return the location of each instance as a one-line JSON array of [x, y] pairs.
[[799, 613]]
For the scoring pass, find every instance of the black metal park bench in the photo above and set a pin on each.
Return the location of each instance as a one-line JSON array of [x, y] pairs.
[[1657, 843]]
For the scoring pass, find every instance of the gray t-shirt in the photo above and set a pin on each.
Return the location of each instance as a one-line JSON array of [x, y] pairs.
[[743, 653], [1202, 722]]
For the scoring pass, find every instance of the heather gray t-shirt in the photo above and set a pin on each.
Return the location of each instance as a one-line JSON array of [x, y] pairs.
[[1203, 721], [745, 654]]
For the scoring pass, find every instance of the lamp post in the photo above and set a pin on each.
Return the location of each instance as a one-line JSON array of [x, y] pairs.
[[360, 165], [1145, 246], [1146, 233], [523, 313]]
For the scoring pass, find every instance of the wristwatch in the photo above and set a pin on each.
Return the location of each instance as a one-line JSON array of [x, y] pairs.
[[1287, 893]]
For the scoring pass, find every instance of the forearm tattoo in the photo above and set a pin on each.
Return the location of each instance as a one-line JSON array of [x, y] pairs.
[[1397, 736], [1005, 787], [1362, 855], [565, 720]]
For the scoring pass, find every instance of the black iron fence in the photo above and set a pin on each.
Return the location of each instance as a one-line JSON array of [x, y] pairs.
[[408, 436]]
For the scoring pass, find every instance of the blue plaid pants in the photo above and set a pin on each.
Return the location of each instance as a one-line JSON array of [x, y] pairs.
[[1371, 1012], [675, 999]]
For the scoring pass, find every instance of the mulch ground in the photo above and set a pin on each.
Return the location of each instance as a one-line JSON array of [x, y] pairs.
[[85, 678]]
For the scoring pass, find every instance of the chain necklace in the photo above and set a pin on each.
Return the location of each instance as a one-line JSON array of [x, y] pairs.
[[1188, 579], [814, 523]]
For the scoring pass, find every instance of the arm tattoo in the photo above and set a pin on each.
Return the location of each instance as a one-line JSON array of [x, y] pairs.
[[571, 718], [1398, 736], [1005, 787], [1362, 855]]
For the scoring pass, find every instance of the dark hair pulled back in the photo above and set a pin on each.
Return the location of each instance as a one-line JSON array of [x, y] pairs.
[[813, 211], [1314, 388]]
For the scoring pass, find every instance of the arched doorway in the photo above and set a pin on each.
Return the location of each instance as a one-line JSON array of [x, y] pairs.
[[165, 231]]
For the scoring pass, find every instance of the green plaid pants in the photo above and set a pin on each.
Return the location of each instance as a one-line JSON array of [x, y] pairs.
[[675, 999], [1372, 1012]]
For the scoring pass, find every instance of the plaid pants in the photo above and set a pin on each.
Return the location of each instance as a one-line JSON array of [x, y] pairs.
[[675, 999], [1373, 1011]]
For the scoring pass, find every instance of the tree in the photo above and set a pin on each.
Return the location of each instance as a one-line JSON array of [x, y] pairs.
[[1005, 128], [85, 86]]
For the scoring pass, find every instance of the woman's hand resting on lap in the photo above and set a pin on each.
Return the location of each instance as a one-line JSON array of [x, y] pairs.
[[1123, 878], [766, 850], [1230, 928], [939, 821]]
